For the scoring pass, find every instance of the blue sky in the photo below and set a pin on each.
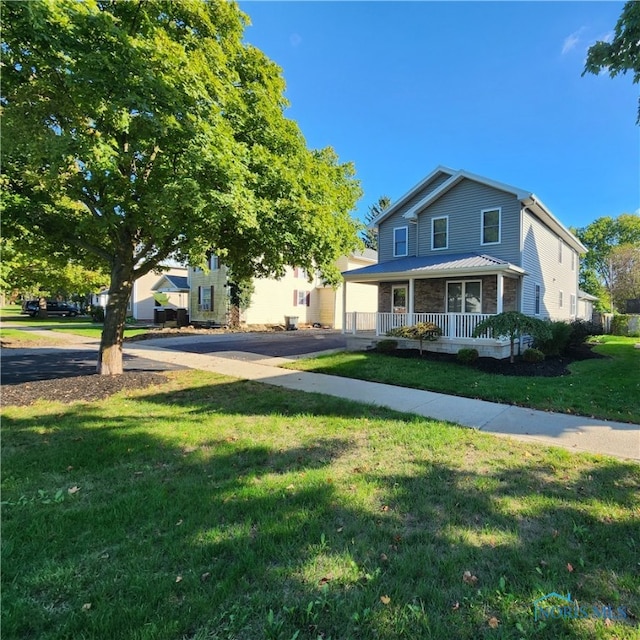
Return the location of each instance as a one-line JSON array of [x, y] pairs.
[[495, 88]]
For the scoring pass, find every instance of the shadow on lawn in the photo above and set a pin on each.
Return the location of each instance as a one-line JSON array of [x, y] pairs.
[[228, 538]]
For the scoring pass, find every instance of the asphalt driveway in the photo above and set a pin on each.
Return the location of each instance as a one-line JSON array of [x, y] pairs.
[[31, 364], [286, 344]]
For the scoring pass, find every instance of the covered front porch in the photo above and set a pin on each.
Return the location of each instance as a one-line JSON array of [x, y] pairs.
[[456, 294]]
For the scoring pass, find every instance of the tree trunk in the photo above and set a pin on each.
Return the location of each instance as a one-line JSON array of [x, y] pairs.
[[42, 312], [110, 356]]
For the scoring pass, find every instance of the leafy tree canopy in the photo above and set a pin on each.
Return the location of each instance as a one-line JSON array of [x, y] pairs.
[[140, 131], [622, 54], [601, 238]]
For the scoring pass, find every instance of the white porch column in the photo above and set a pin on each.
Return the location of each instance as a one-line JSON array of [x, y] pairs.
[[499, 292], [411, 301], [344, 306]]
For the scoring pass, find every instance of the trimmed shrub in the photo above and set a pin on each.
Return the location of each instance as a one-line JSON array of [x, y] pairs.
[[625, 324], [513, 325], [558, 340], [97, 314], [533, 355], [467, 356], [421, 331], [387, 346], [581, 330]]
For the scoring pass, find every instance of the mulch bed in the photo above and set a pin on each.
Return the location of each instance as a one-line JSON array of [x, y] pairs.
[[550, 367], [78, 389]]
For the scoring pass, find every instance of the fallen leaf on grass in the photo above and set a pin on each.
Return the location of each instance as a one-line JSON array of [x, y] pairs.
[[469, 578], [456, 606], [385, 599], [205, 576], [178, 578], [383, 557], [569, 567], [73, 490], [494, 622], [86, 606], [324, 581]]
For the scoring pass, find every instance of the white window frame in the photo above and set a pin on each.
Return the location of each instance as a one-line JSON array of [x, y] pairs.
[[560, 243], [202, 305], [406, 242], [537, 298], [464, 284], [560, 299], [573, 260], [482, 225], [573, 309], [214, 262], [433, 233]]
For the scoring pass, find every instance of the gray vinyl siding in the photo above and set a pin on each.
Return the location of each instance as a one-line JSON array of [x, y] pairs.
[[540, 260], [385, 232], [463, 204], [385, 236]]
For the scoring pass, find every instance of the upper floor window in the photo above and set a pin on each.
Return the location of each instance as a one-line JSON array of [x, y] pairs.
[[440, 233], [536, 299], [214, 263], [560, 243], [400, 241], [491, 226]]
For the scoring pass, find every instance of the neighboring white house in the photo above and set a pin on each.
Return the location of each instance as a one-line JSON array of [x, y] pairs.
[[459, 247], [172, 282], [296, 295]]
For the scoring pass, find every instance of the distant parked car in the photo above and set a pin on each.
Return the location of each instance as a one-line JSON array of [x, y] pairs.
[[54, 308]]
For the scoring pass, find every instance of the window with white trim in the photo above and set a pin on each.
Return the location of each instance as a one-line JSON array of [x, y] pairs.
[[573, 260], [214, 262], [491, 219], [400, 241], [536, 299], [572, 299], [464, 296], [205, 298], [301, 298], [560, 243], [440, 232], [560, 299]]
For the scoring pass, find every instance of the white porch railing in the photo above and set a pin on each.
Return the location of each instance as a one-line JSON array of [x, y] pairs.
[[453, 325], [360, 321]]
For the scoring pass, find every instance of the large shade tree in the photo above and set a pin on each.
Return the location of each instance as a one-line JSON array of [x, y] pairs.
[[602, 268], [622, 54], [140, 131]]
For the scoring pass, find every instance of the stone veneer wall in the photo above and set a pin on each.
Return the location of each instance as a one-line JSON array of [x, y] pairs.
[[430, 294]]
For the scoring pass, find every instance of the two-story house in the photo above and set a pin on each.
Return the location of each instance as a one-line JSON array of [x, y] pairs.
[[458, 247], [296, 295]]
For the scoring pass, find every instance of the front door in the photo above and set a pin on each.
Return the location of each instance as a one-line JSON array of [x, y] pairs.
[[399, 299]]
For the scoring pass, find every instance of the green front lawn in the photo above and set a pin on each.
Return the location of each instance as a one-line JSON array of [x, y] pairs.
[[96, 332], [603, 388], [210, 508]]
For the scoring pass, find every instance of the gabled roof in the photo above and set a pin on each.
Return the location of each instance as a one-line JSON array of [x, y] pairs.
[[439, 170], [170, 282], [370, 255], [527, 198], [433, 266]]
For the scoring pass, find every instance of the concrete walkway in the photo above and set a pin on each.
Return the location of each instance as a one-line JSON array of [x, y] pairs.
[[575, 433]]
